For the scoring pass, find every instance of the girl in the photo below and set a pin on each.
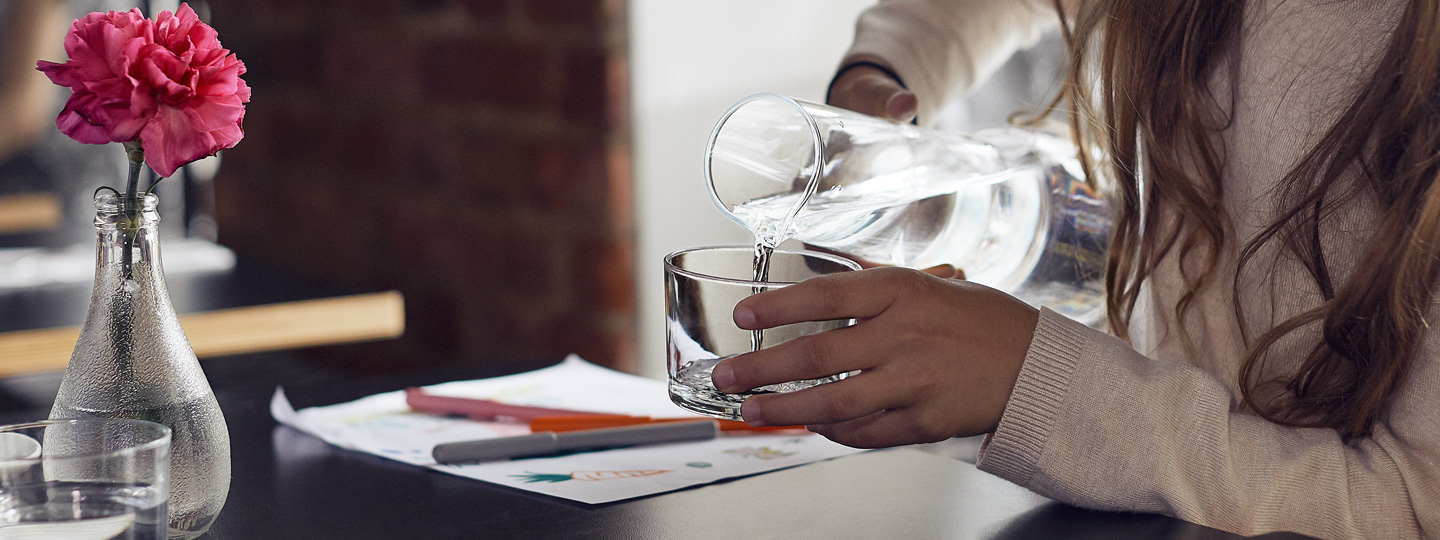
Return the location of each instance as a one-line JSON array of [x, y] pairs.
[[1269, 365]]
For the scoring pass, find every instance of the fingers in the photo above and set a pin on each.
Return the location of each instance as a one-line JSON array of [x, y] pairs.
[[871, 91], [947, 271], [848, 414], [892, 427], [815, 356], [840, 401], [859, 295]]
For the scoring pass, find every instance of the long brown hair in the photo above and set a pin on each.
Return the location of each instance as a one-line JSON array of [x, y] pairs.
[[1152, 128]]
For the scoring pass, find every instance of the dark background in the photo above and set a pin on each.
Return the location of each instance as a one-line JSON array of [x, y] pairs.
[[473, 154]]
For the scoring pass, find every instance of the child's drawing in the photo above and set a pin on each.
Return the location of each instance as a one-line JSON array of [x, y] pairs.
[[763, 452]]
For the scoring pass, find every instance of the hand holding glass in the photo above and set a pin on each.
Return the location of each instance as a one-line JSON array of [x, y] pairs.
[[702, 286]]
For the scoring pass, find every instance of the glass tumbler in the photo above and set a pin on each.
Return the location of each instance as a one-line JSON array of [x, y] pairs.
[[81, 479], [702, 286]]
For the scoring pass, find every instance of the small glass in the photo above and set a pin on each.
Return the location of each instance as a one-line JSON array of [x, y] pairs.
[[81, 479], [702, 286]]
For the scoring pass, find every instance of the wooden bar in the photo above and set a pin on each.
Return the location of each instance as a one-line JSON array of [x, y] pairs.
[[267, 327], [29, 212]]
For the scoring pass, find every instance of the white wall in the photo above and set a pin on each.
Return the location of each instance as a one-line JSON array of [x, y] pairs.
[[690, 60]]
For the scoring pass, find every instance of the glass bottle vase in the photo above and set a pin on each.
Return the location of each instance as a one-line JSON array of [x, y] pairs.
[[133, 361]]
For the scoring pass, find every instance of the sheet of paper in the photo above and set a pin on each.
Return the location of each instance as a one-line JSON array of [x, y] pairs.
[[383, 425]]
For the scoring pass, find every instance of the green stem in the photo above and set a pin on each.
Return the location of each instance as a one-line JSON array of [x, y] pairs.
[[123, 332], [132, 203]]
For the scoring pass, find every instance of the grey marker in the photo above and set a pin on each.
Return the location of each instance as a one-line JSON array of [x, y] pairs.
[[551, 443]]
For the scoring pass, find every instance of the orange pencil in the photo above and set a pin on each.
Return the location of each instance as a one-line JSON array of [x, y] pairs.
[[575, 423]]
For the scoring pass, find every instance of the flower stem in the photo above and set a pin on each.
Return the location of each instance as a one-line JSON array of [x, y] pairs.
[[132, 204]]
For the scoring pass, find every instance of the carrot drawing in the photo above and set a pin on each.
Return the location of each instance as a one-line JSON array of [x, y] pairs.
[[588, 476], [763, 452]]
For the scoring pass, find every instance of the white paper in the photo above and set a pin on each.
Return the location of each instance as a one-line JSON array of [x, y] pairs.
[[384, 425]]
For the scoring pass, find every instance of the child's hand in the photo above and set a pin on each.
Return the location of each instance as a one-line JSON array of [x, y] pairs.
[[937, 357], [871, 91]]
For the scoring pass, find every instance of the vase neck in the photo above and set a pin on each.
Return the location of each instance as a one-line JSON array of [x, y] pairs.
[[120, 234]]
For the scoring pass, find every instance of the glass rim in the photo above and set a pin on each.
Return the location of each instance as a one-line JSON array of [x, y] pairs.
[[107, 201], [162, 440], [817, 149], [672, 267], [110, 210]]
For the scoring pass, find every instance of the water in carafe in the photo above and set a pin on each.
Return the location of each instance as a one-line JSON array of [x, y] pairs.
[[1008, 206]]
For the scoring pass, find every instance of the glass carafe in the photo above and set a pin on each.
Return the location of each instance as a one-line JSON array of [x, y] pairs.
[[133, 361], [1009, 206]]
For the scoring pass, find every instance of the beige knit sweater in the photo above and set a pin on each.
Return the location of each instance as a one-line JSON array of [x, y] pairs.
[[1095, 423]]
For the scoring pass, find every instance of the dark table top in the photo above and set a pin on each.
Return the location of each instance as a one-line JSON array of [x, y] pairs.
[[289, 485]]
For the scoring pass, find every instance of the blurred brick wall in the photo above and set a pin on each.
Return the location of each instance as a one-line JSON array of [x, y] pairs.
[[471, 153]]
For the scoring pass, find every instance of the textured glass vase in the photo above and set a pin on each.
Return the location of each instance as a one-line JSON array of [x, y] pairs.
[[133, 361]]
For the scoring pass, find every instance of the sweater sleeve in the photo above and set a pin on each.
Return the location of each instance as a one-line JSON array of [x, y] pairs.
[[1094, 423], [942, 49]]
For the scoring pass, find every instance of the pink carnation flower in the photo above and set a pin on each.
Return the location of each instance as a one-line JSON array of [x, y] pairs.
[[167, 82]]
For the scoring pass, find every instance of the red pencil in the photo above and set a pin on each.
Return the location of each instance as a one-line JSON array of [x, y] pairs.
[[481, 409]]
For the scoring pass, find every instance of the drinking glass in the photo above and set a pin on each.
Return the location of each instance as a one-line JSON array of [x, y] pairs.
[[702, 286], [83, 479]]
